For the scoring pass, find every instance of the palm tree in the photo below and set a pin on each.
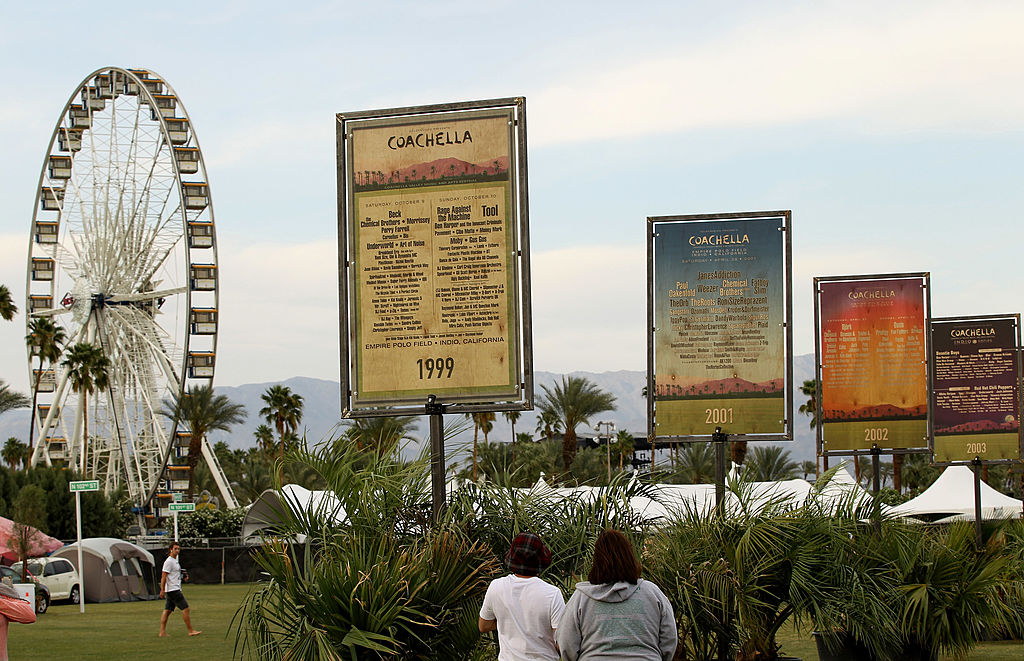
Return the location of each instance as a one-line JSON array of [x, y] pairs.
[[202, 411], [574, 402], [808, 467], [513, 418], [283, 410], [810, 390], [482, 421], [696, 464], [624, 445], [771, 463], [382, 434], [7, 307], [14, 452], [87, 372], [548, 424], [10, 399], [45, 340], [264, 439]]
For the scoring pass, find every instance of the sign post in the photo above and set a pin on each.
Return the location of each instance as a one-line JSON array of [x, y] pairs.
[[77, 488], [180, 507]]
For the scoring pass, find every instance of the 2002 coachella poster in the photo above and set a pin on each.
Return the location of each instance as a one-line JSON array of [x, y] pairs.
[[719, 338], [873, 363], [433, 238]]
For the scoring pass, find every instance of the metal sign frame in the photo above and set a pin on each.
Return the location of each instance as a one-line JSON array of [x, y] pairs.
[[517, 395], [819, 431], [787, 322], [1015, 319]]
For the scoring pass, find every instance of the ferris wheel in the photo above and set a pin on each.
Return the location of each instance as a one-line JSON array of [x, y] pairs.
[[123, 256]]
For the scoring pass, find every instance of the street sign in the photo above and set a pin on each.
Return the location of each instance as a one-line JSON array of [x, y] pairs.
[[182, 507], [85, 485], [176, 496]]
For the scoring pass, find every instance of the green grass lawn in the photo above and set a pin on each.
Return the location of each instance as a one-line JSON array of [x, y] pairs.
[[129, 631]]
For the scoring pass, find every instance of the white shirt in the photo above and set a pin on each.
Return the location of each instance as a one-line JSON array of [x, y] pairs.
[[527, 611], [173, 571]]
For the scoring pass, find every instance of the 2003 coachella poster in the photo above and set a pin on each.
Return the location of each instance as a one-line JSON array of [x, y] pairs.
[[720, 340], [976, 389], [873, 366], [434, 242]]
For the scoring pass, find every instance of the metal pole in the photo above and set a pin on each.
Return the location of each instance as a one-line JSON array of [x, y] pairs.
[[876, 486], [719, 439], [437, 495], [81, 567], [977, 503], [175, 525]]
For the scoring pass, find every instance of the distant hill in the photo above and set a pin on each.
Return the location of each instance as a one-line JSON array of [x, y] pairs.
[[322, 410]]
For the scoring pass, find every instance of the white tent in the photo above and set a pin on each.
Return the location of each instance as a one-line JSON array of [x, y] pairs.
[[952, 497], [266, 511]]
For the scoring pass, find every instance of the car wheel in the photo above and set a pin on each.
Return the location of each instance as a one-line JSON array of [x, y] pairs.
[[42, 603], [75, 595]]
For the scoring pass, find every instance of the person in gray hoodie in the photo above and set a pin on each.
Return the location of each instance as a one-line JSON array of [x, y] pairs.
[[615, 614]]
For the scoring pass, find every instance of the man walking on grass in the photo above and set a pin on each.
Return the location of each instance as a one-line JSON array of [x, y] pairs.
[[170, 587]]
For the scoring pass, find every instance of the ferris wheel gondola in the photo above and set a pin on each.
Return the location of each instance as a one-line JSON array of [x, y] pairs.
[[123, 255]]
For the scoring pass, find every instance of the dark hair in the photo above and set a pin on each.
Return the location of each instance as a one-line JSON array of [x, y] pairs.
[[614, 559], [173, 544]]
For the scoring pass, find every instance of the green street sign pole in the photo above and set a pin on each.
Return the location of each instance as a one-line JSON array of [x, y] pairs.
[[77, 488]]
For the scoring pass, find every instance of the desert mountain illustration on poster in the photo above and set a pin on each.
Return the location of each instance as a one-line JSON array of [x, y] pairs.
[[878, 412], [719, 388], [440, 171]]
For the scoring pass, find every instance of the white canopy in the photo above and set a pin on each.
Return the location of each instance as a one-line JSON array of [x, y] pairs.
[[952, 497], [266, 510]]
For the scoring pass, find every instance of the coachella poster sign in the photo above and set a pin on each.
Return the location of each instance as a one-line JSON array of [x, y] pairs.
[[872, 362], [432, 272], [720, 348]]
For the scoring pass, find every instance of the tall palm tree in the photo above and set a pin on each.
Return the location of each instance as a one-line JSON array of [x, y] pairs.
[[574, 402], [513, 418], [264, 439], [87, 369], [14, 453], [202, 411], [45, 340], [7, 307], [624, 446], [10, 399], [283, 410], [810, 390], [482, 421]]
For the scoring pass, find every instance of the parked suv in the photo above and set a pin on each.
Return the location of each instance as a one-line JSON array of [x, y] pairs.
[[42, 592], [57, 574]]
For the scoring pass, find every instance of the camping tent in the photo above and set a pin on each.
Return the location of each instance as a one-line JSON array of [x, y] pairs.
[[40, 544], [115, 570], [952, 495]]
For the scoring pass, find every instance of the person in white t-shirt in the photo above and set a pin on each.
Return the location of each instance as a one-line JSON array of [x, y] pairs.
[[170, 587], [522, 607]]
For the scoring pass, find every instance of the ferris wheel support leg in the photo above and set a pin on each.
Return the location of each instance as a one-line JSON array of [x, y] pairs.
[[218, 475]]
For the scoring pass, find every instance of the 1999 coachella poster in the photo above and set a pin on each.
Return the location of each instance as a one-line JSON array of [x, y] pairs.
[[720, 337], [433, 237]]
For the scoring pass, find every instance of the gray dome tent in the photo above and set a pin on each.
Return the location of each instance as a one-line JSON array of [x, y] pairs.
[[115, 570]]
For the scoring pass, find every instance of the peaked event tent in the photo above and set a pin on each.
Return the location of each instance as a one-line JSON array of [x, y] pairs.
[[952, 495], [42, 544], [115, 570]]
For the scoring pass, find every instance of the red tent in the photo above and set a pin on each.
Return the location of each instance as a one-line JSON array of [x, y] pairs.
[[41, 543]]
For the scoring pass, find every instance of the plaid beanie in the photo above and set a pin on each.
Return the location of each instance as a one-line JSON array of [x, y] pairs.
[[528, 555]]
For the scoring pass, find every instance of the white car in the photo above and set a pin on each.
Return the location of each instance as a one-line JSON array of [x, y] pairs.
[[58, 575]]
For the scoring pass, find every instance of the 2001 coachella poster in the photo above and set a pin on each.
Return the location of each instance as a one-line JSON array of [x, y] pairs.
[[433, 236], [976, 389], [873, 363], [720, 342]]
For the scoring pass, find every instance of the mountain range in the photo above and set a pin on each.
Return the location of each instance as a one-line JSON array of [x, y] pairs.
[[322, 406]]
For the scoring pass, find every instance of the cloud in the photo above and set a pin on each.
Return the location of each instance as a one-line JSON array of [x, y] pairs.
[[938, 65]]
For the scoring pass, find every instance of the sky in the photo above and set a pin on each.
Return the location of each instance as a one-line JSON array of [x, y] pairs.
[[893, 131]]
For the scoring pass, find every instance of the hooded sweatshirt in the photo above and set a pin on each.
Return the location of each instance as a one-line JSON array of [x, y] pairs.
[[617, 621]]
